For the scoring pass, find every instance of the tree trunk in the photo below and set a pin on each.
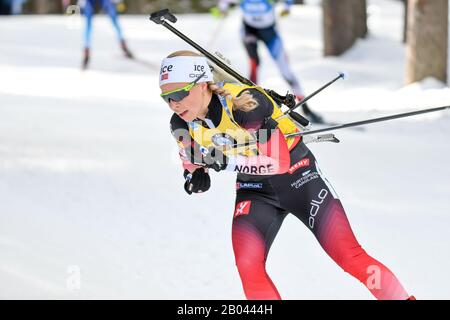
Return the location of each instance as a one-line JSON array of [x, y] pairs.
[[427, 47], [41, 7], [360, 20], [338, 28], [405, 21]]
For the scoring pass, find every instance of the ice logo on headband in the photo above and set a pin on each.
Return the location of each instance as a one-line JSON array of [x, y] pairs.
[[165, 72], [199, 67], [198, 70]]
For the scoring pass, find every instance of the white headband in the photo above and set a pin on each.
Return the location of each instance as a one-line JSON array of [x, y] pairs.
[[184, 69]]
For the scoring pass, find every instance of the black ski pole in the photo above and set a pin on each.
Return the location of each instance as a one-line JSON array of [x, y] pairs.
[[360, 123], [340, 76], [292, 106]]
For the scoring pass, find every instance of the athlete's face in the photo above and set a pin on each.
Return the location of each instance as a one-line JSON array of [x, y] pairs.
[[193, 105]]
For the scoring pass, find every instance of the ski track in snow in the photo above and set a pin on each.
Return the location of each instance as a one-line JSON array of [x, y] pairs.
[[89, 175]]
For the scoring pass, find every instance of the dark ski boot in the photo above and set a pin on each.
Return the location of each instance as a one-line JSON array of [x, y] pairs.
[[125, 50], [86, 59], [312, 116]]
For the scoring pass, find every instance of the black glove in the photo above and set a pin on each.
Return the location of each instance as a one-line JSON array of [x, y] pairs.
[[212, 158], [215, 159], [196, 182]]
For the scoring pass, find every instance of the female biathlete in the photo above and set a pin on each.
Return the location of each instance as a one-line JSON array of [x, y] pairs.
[[234, 127]]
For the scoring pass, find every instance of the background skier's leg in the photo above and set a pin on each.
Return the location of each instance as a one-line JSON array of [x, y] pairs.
[[88, 11], [16, 7], [251, 45], [276, 49], [110, 9], [255, 225], [278, 53]]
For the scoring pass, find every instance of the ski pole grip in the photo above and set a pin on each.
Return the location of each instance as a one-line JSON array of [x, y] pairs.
[[299, 118], [158, 17]]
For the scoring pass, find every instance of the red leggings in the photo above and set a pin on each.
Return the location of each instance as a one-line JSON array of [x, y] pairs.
[[260, 210]]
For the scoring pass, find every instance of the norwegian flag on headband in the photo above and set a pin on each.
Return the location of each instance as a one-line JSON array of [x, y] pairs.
[[164, 76]]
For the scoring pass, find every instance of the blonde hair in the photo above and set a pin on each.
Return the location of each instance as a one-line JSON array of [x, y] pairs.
[[244, 102]]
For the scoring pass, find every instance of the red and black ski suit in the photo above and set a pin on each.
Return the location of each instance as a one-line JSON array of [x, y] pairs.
[[299, 188]]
